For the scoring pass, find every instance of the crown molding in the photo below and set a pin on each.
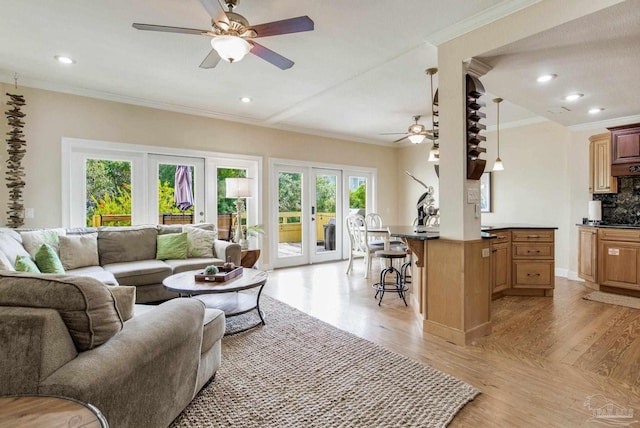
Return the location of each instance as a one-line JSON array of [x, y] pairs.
[[479, 20], [605, 123]]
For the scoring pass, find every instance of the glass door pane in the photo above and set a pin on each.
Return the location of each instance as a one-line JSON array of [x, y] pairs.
[[288, 211], [326, 230], [227, 206], [178, 194]]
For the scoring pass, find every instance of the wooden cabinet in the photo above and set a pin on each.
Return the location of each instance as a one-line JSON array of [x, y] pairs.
[[533, 258], [501, 261], [619, 258], [600, 179], [625, 150], [522, 262], [588, 253]]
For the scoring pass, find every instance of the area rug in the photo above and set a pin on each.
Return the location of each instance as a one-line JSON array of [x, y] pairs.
[[614, 299], [297, 371]]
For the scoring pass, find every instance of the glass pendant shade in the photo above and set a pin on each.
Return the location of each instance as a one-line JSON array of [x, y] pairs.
[[498, 165], [416, 139], [230, 48]]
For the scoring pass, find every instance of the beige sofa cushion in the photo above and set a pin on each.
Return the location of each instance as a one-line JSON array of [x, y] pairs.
[[143, 272], [78, 251], [86, 306], [126, 244], [125, 297], [11, 245]]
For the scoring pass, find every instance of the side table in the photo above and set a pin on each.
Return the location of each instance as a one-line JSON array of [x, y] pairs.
[[31, 411], [249, 258]]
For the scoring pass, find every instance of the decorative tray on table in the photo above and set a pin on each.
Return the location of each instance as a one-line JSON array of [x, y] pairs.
[[222, 275]]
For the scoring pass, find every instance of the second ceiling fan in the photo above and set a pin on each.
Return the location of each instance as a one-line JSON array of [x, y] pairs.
[[232, 35], [416, 133]]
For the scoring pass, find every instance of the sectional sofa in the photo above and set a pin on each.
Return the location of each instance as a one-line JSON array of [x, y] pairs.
[[122, 255], [84, 334]]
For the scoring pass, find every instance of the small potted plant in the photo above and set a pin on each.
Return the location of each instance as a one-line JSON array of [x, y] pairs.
[[250, 231]]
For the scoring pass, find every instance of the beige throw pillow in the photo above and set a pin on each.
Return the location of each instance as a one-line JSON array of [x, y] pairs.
[[199, 242], [78, 251], [33, 240]]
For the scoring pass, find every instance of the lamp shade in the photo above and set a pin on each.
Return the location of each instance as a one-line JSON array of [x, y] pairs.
[[231, 48], [498, 165], [238, 187]]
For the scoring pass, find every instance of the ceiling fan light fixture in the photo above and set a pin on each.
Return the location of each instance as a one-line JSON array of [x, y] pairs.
[[230, 48], [416, 138]]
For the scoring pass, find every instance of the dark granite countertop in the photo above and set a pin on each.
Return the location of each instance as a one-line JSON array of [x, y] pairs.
[[611, 226], [501, 226], [434, 233]]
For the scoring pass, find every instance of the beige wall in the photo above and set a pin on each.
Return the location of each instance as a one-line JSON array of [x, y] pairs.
[[52, 116]]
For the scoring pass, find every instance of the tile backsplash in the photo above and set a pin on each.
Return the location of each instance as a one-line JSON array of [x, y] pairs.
[[622, 207]]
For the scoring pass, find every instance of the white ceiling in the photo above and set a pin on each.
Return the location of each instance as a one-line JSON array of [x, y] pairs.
[[360, 73]]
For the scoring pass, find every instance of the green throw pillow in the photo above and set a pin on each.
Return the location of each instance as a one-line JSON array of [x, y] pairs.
[[47, 260], [172, 246], [25, 264]]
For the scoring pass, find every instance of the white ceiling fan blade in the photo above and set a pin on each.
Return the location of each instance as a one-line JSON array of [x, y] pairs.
[[211, 60]]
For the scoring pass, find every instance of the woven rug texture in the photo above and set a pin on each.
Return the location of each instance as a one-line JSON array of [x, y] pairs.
[[614, 299], [297, 371]]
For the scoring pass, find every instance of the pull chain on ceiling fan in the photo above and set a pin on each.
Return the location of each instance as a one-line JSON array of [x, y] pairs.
[[232, 35]]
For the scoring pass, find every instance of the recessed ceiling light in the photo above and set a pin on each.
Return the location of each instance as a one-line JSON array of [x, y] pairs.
[[246, 100], [573, 97], [595, 110], [64, 59], [546, 77]]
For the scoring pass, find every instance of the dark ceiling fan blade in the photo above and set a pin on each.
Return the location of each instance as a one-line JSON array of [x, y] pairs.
[[212, 7], [400, 139], [166, 29], [270, 56], [286, 26], [210, 60]]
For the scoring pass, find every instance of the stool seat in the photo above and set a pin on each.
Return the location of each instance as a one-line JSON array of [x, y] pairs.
[[391, 254]]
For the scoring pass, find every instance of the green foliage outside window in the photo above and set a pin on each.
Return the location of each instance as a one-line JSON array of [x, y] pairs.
[[358, 197]]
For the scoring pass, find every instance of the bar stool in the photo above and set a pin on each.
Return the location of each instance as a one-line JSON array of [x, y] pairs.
[[398, 285]]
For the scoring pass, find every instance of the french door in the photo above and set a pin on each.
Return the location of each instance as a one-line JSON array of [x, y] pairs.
[[306, 212], [163, 205]]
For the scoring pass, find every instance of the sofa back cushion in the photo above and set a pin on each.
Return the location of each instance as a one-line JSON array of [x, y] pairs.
[[78, 251], [32, 240], [86, 306], [126, 244]]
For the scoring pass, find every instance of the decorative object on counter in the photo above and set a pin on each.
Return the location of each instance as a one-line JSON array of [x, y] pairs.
[[16, 150], [434, 153], [614, 299], [475, 165], [497, 166], [595, 212], [239, 188], [428, 215]]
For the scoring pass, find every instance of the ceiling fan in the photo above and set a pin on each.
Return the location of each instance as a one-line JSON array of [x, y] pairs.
[[232, 35], [416, 132]]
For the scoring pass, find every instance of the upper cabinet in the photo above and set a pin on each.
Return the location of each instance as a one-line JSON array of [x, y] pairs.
[[625, 150], [600, 179]]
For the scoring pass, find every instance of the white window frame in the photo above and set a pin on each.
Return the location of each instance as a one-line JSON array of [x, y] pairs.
[[75, 151]]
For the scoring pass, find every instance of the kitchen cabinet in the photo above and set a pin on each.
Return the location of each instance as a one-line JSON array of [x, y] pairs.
[[619, 258], [533, 259], [588, 254], [600, 179], [522, 262], [501, 261], [625, 150]]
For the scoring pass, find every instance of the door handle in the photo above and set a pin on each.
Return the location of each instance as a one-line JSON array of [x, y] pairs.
[[313, 210]]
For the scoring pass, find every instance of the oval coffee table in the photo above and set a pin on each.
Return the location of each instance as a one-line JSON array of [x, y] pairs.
[[226, 296]]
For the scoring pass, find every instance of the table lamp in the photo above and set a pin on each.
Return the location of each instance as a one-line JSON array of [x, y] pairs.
[[238, 188]]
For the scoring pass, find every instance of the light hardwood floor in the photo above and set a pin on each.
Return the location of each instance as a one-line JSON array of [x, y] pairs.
[[544, 359]]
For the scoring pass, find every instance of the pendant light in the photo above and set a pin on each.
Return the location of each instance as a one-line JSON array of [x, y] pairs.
[[497, 166], [434, 153]]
